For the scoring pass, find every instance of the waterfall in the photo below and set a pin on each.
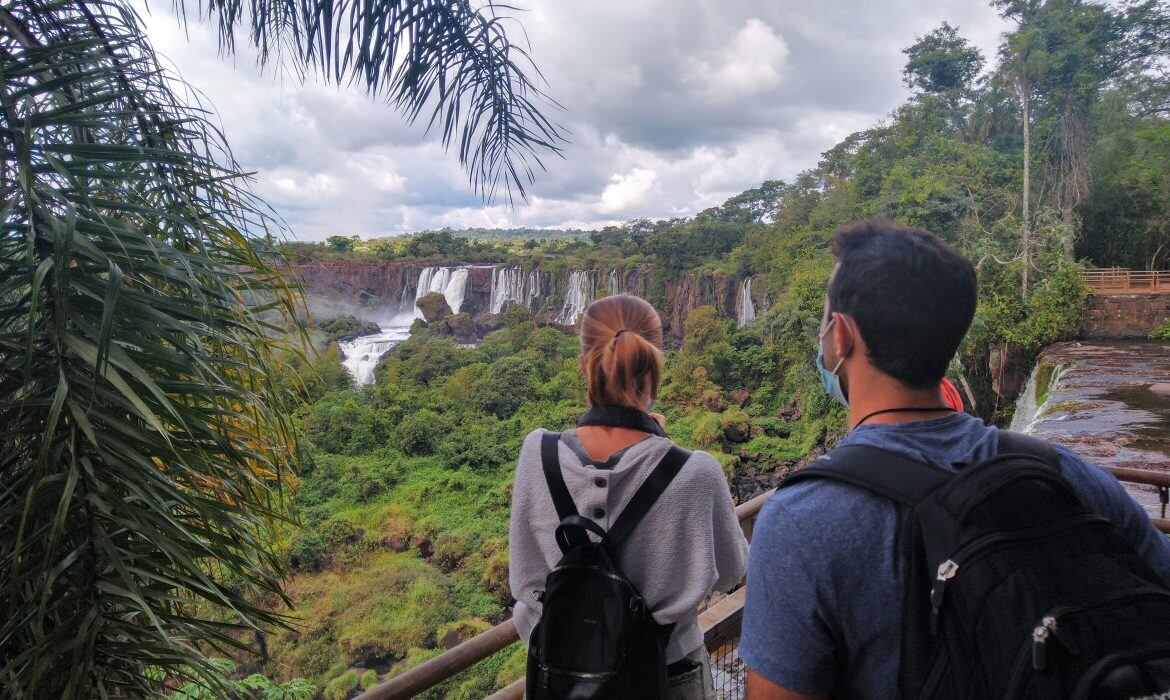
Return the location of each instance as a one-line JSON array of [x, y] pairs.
[[745, 309], [580, 290], [361, 355], [532, 292], [511, 285], [1036, 396], [615, 283], [507, 287], [451, 282]]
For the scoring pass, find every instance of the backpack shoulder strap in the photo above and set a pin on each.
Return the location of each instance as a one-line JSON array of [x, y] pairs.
[[1018, 443], [549, 444], [647, 494], [879, 471]]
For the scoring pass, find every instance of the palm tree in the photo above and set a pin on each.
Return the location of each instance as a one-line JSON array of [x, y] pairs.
[[144, 448]]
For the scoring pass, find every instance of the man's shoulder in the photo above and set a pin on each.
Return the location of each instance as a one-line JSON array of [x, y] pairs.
[[820, 513]]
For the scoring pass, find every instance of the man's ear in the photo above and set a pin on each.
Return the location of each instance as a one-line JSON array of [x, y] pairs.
[[844, 335]]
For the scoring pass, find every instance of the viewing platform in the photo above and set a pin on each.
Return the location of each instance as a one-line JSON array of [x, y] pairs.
[[1117, 280], [720, 622]]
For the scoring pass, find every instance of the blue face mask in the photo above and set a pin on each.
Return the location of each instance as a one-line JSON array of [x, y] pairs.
[[829, 380]]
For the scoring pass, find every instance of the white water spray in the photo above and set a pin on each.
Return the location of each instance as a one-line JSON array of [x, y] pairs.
[[1029, 409], [615, 283], [451, 282], [580, 290], [360, 356], [745, 309]]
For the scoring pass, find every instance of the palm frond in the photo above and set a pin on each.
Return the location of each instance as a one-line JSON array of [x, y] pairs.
[[143, 447], [445, 60]]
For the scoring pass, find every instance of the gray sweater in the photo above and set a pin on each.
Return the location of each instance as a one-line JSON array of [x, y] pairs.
[[688, 545]]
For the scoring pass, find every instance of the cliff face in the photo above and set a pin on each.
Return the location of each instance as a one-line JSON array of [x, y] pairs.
[[360, 283], [695, 290], [378, 290]]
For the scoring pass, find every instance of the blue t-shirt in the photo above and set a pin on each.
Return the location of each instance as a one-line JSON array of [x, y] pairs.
[[825, 577]]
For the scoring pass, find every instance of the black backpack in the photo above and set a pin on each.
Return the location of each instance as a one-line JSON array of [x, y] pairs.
[[1015, 589], [596, 637]]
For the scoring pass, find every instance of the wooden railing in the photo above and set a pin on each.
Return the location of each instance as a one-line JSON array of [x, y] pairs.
[[719, 622], [1116, 280]]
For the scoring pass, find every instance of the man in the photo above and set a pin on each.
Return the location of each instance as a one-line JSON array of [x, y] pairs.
[[825, 575]]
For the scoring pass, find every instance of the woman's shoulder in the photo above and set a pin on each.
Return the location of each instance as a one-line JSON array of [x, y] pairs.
[[702, 468], [531, 442]]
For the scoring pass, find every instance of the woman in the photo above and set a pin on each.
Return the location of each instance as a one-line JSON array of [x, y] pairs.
[[688, 544]]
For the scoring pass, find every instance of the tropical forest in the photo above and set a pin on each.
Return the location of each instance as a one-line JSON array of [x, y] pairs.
[[239, 461]]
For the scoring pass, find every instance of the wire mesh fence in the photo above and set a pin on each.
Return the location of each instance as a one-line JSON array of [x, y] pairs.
[[727, 669]]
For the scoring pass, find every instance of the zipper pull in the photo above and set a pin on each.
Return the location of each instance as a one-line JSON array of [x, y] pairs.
[[1040, 637], [946, 572]]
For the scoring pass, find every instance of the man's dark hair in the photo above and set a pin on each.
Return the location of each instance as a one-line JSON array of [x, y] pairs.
[[912, 296]]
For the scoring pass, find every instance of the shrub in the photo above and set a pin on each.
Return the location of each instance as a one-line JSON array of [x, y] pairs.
[[369, 680], [708, 430], [419, 433], [340, 687]]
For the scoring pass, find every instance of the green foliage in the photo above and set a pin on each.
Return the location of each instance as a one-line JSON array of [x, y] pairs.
[[340, 687], [254, 687], [344, 328], [942, 61], [1162, 332], [406, 498]]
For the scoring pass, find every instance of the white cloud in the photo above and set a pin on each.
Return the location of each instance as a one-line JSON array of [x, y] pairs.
[[626, 191], [753, 61], [672, 105]]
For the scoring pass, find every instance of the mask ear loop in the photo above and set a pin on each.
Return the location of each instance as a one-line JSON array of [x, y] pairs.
[[833, 318]]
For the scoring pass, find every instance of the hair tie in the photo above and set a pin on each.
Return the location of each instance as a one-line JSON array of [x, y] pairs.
[[624, 330]]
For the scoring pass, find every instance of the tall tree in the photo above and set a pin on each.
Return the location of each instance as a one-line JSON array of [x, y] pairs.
[[941, 62], [1022, 63], [143, 439]]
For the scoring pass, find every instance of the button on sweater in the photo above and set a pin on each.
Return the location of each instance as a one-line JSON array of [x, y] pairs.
[[687, 546]]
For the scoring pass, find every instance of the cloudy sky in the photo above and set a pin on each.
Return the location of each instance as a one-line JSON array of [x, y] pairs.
[[672, 105]]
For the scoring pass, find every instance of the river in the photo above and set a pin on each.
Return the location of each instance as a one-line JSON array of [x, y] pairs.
[[1108, 401]]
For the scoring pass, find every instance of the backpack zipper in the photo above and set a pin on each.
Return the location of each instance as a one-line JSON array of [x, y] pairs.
[[1040, 635], [1046, 629], [969, 553]]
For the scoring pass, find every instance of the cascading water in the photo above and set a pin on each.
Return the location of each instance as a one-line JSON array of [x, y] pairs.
[[451, 282], [615, 283], [745, 309], [580, 290], [1036, 396], [511, 285], [361, 355], [532, 292]]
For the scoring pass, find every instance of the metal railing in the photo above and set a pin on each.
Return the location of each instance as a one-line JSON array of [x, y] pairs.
[[720, 624], [1117, 280], [718, 620]]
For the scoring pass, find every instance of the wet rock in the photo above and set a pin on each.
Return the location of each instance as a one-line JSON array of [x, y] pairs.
[[791, 410], [1008, 369], [1110, 405], [424, 546], [712, 401], [741, 398], [434, 307], [458, 326]]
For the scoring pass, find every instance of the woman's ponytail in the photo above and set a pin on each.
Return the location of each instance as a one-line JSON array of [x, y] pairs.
[[621, 349]]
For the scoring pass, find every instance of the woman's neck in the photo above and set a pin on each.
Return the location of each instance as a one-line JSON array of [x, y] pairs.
[[602, 441]]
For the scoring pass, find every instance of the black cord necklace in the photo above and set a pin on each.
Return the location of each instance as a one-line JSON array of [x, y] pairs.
[[908, 409]]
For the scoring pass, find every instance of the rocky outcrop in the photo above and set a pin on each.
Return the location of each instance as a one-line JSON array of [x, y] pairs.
[[695, 290]]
